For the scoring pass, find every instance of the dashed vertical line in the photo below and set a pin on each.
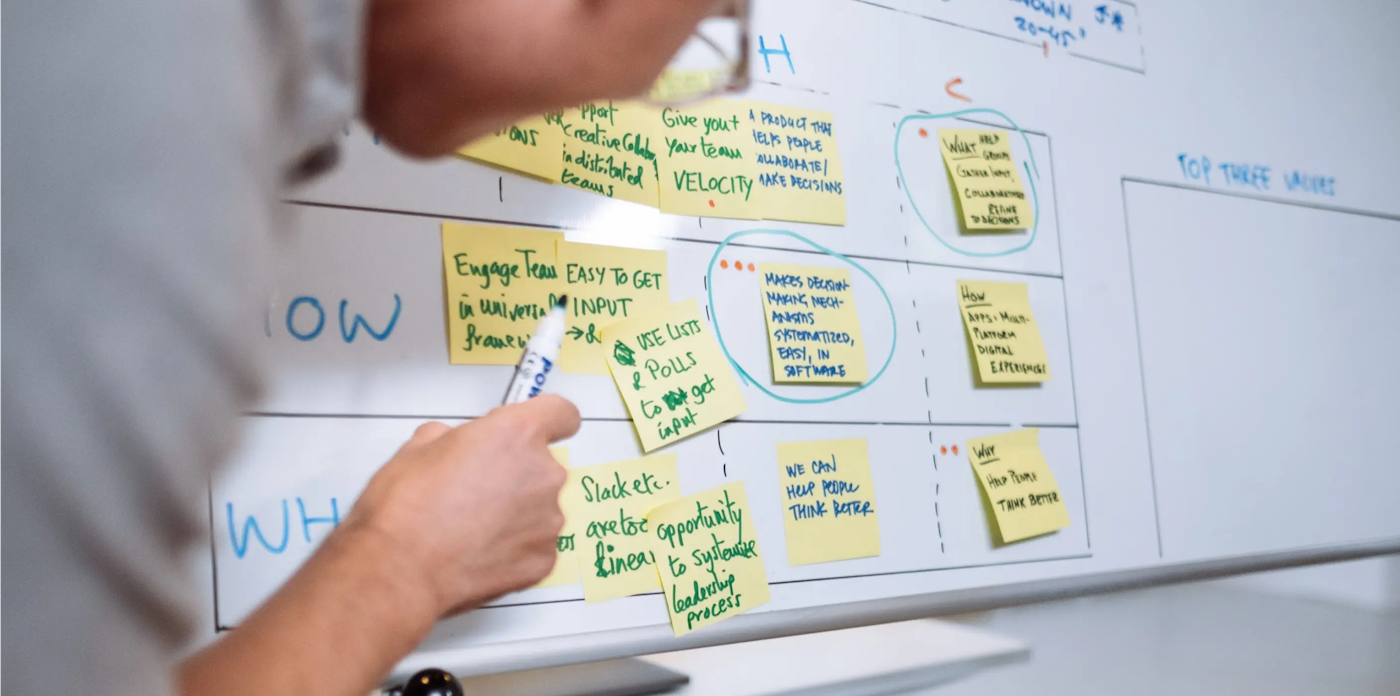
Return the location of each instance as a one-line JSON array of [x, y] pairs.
[[926, 394], [707, 314], [917, 327]]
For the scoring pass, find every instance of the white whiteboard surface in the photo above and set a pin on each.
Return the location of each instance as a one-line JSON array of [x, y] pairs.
[[1175, 462]]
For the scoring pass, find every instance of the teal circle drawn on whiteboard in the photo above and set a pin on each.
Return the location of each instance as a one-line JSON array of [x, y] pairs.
[[744, 374], [1035, 198]]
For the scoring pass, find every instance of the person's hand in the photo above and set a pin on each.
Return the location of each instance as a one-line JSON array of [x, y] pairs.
[[438, 73], [473, 510]]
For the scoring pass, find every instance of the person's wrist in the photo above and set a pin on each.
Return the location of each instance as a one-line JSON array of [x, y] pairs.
[[388, 560]]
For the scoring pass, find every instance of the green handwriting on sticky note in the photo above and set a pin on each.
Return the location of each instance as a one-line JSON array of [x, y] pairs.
[[828, 499], [813, 330], [609, 148], [707, 161], [565, 570], [1024, 498], [797, 165], [500, 282], [610, 504], [532, 147], [671, 374], [606, 284], [707, 554], [1001, 330], [985, 178]]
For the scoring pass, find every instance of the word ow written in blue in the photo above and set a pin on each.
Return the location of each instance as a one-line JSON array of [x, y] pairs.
[[250, 527], [1256, 177], [306, 319]]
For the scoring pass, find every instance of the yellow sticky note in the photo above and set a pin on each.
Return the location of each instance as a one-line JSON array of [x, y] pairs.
[[679, 85], [986, 179], [813, 328], [610, 502], [1025, 500], [500, 282], [609, 149], [1001, 330], [532, 146], [606, 284], [565, 570], [798, 166], [708, 557], [706, 157], [828, 501], [671, 373]]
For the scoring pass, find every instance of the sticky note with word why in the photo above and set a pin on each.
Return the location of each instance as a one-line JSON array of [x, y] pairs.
[[1021, 491]]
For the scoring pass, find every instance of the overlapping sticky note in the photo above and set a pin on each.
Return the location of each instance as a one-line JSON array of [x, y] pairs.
[[1025, 501], [671, 374], [606, 284], [813, 329], [708, 557], [565, 570], [610, 504], [1006, 344], [500, 282], [531, 146], [828, 498], [706, 157], [797, 164], [985, 179], [609, 148]]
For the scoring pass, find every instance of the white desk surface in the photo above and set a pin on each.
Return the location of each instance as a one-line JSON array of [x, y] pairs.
[[890, 658]]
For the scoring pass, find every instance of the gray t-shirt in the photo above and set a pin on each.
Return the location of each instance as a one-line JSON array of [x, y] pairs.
[[145, 147]]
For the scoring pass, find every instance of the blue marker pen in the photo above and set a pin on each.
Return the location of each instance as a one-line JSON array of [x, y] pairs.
[[541, 353]]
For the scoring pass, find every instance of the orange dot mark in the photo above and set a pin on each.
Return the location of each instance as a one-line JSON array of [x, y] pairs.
[[955, 449], [739, 266], [712, 203], [942, 450], [923, 133], [1046, 46], [723, 264], [750, 267]]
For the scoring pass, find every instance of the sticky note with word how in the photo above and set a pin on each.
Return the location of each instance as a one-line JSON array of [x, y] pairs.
[[1021, 491], [797, 164], [533, 147], [672, 375], [828, 498], [985, 179], [565, 570], [1001, 332], [500, 282], [708, 557], [606, 284], [813, 328], [707, 163], [610, 504], [609, 148]]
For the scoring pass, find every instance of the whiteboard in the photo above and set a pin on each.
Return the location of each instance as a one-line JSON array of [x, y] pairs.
[[1222, 397]]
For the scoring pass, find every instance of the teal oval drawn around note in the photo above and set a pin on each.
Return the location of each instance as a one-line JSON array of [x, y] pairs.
[[744, 374], [899, 133]]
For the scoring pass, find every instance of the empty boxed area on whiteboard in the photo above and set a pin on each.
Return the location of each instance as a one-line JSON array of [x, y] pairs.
[[1266, 334]]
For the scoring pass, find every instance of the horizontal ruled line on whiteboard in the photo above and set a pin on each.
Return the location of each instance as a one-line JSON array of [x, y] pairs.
[[692, 240], [621, 419], [854, 576]]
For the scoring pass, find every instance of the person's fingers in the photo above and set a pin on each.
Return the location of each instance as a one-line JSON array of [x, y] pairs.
[[551, 416], [428, 432]]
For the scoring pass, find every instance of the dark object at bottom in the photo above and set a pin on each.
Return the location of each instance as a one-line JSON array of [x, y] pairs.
[[432, 682]]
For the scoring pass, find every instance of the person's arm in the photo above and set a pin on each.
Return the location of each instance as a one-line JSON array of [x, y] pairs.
[[441, 73], [458, 517]]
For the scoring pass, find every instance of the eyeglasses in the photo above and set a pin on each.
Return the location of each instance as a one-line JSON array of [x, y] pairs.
[[714, 61]]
